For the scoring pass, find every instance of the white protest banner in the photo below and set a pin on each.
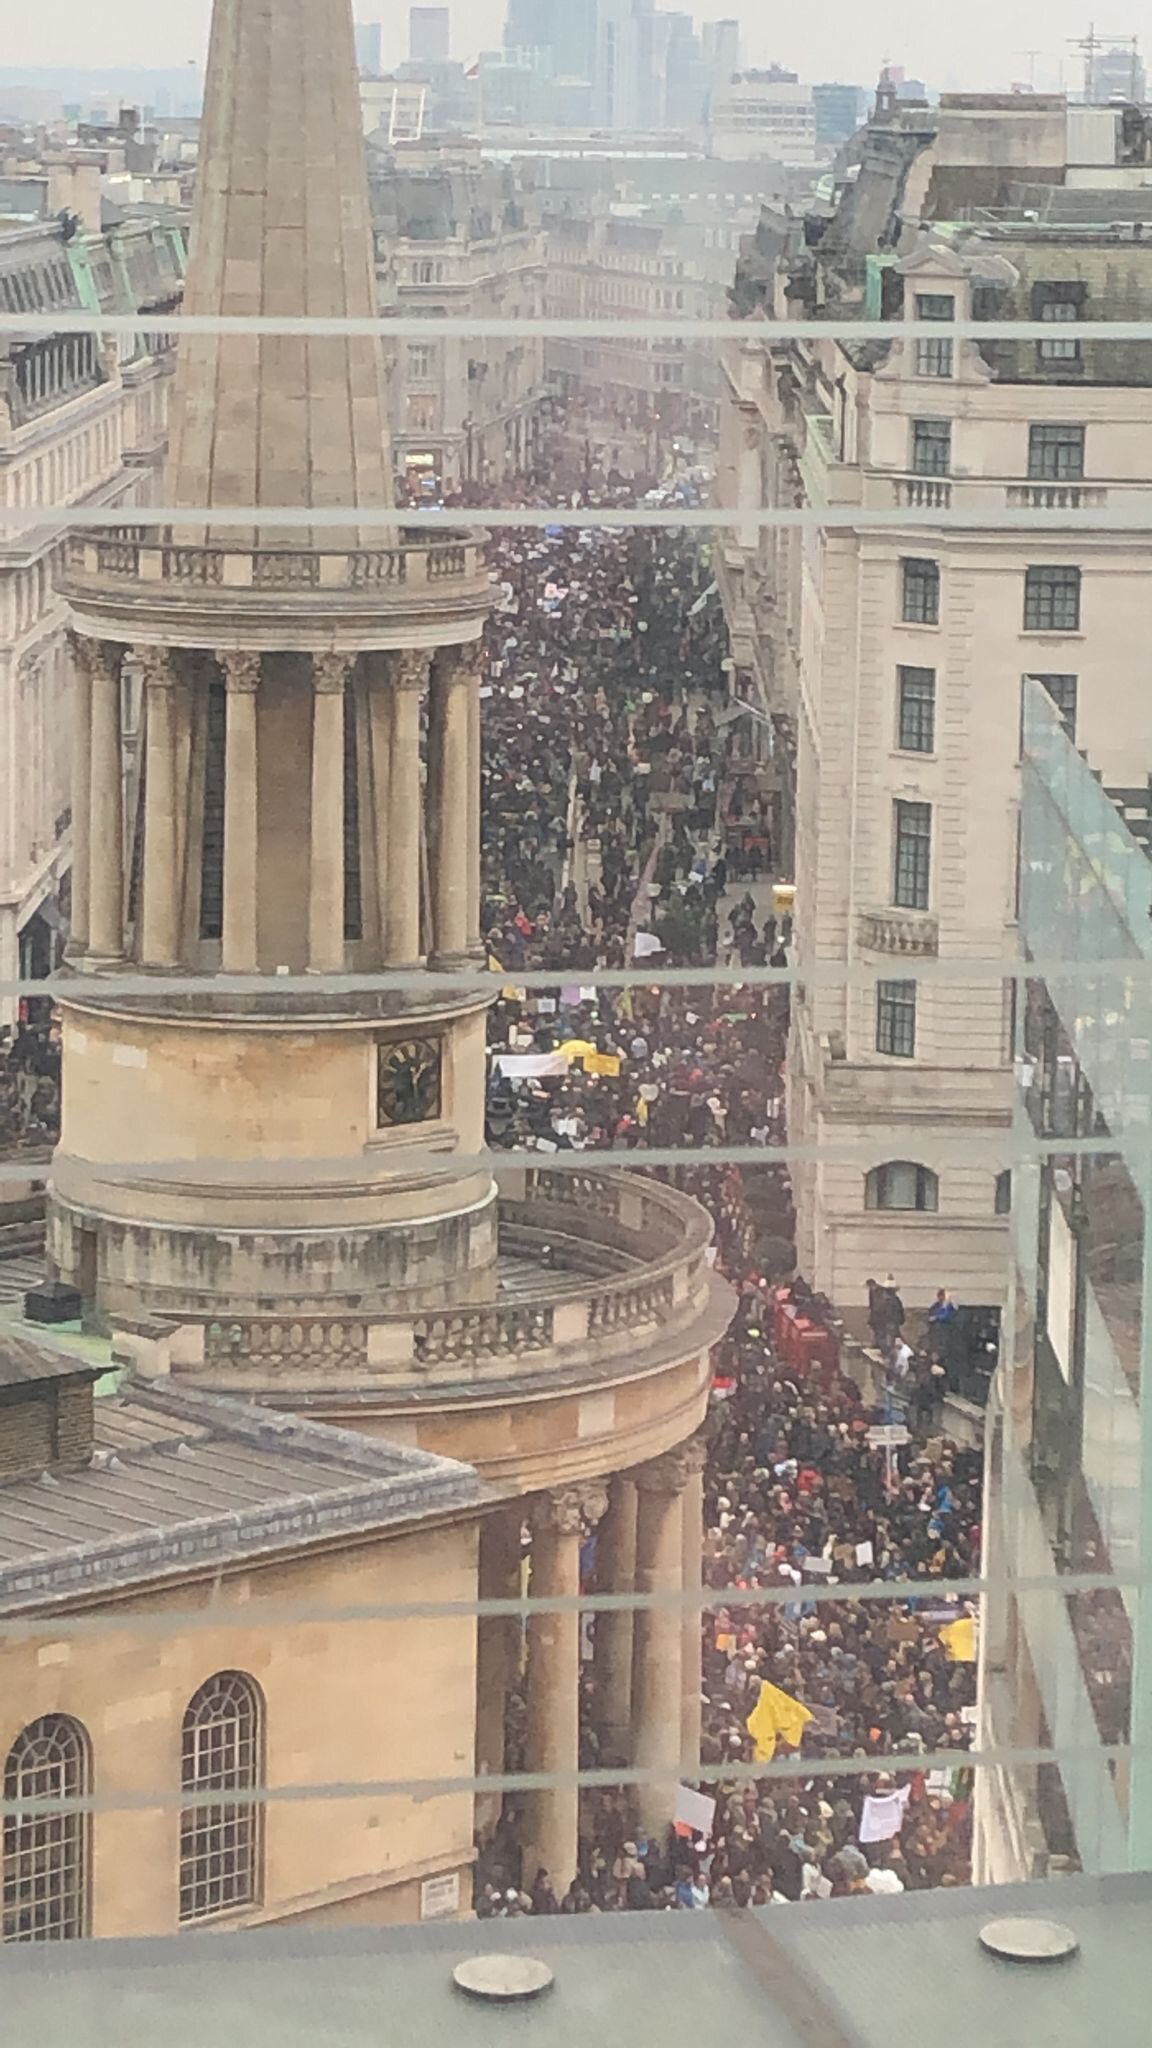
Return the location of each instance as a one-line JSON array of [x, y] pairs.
[[530, 1066], [695, 1813], [883, 1815]]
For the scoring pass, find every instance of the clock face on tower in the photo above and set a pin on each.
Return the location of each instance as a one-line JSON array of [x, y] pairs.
[[407, 1081]]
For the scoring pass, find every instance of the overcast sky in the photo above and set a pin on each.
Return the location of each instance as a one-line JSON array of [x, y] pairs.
[[982, 44]]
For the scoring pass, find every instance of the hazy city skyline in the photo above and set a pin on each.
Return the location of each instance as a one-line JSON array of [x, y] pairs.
[[997, 46]]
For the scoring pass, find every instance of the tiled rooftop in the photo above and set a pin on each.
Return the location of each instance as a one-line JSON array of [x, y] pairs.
[[181, 1476]]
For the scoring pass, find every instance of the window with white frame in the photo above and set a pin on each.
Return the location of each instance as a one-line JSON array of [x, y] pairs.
[[896, 1019]]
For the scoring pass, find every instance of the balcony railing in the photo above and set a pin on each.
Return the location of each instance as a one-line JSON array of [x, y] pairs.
[[1055, 497], [985, 496], [661, 1237], [924, 493], [898, 931], [157, 558]]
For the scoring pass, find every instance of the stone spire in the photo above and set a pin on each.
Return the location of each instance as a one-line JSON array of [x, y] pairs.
[[282, 225]]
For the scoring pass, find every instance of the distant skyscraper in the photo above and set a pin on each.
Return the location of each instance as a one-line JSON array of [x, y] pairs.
[[1118, 74], [369, 56], [721, 44], [429, 35], [839, 112], [565, 29]]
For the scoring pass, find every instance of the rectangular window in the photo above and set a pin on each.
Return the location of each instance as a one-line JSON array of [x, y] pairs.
[[420, 361], [1059, 349], [1063, 691], [896, 1019], [1052, 600], [917, 710], [921, 594], [1055, 452], [935, 358], [931, 447], [912, 865], [421, 414]]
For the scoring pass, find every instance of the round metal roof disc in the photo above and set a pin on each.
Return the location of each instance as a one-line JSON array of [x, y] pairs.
[[502, 1978], [1029, 1941]]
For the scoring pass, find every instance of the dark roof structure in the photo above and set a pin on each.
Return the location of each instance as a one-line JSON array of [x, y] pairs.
[[24, 1363], [181, 1479]]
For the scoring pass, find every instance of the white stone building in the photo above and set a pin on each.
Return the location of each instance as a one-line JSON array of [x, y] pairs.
[[891, 659], [81, 423], [755, 114], [457, 239]]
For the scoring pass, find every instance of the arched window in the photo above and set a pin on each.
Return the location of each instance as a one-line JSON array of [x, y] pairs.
[[45, 1853], [900, 1184], [222, 1751], [1003, 1196]]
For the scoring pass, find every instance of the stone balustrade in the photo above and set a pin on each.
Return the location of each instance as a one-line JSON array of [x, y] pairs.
[[659, 1278], [154, 556], [909, 933]]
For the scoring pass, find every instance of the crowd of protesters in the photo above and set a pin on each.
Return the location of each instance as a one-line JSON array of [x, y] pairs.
[[30, 1085], [611, 786]]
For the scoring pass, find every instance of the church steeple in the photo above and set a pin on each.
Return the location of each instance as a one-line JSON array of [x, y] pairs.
[[286, 807], [282, 225]]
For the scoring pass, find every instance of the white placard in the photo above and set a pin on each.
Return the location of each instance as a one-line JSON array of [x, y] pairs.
[[864, 1554], [883, 1815], [694, 1810]]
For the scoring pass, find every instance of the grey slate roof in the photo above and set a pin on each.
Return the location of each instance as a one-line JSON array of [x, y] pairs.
[[182, 1478], [850, 1973], [23, 1362]]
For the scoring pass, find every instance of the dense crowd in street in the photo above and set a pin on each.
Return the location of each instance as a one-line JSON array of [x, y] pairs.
[[610, 786]]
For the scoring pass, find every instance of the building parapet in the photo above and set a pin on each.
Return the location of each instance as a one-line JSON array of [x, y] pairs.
[[547, 1329]]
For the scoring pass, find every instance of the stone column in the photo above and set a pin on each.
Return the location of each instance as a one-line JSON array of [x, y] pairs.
[[616, 1573], [692, 1624], [238, 952], [81, 651], [497, 1652], [656, 1704], [378, 673], [475, 800], [106, 809], [326, 895], [160, 908], [551, 1834], [402, 898], [455, 680]]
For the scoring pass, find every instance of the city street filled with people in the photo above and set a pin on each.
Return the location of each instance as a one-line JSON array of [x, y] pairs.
[[625, 821]]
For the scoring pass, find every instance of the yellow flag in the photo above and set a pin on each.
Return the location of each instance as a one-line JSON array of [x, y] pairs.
[[959, 1639], [776, 1717]]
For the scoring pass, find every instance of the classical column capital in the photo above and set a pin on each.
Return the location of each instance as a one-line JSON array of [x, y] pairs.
[[330, 673], [671, 1472], [95, 657], [156, 667], [410, 668], [460, 665], [566, 1510], [241, 672]]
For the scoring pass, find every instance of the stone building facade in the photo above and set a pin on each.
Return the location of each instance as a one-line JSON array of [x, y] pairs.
[[891, 660], [194, 1648], [271, 1193], [81, 423], [460, 239]]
